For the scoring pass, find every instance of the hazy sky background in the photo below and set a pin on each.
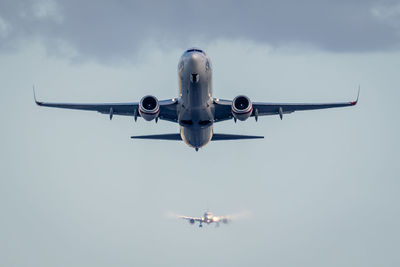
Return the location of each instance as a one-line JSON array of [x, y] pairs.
[[323, 186]]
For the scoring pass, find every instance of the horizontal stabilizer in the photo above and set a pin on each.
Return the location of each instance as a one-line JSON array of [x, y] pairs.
[[173, 137], [216, 137], [221, 137]]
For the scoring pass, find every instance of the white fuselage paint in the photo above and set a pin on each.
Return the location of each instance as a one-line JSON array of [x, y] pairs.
[[208, 217], [196, 103]]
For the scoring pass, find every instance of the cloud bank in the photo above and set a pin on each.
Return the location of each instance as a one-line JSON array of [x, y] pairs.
[[117, 29]]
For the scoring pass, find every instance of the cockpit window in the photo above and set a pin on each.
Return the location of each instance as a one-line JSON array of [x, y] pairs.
[[195, 50], [204, 123]]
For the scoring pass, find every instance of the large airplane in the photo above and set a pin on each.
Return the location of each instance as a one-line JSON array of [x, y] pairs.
[[207, 218], [195, 109]]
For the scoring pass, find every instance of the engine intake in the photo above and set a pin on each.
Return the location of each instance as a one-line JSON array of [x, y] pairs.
[[149, 108], [242, 107]]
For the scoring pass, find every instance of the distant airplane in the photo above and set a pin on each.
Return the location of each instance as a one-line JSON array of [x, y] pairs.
[[207, 218], [195, 109]]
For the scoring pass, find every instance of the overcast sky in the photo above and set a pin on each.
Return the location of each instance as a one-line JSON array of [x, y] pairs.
[[322, 187]]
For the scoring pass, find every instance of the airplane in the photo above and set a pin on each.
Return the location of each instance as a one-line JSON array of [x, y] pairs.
[[207, 218], [195, 109]]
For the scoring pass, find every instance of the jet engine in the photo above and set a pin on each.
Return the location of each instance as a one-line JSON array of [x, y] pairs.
[[242, 107], [225, 220], [191, 221], [149, 108]]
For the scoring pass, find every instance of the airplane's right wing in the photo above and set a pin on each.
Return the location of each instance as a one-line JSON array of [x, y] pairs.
[[168, 108], [194, 219]]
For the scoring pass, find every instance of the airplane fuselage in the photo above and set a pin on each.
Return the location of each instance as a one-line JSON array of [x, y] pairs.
[[196, 103], [208, 217]]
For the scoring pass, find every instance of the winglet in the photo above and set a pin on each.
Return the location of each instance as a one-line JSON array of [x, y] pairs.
[[353, 103], [34, 97]]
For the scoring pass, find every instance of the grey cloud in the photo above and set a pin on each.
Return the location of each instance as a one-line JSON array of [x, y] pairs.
[[116, 29]]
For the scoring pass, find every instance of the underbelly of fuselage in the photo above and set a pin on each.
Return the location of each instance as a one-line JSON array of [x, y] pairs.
[[195, 115], [196, 136]]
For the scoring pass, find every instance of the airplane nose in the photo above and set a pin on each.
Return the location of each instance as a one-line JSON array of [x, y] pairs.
[[194, 58], [195, 61]]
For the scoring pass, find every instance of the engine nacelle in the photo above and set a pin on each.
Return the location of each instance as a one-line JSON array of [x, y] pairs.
[[149, 108], [191, 221], [242, 107], [225, 220]]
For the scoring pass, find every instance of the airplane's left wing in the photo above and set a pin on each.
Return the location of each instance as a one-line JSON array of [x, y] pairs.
[[168, 108], [223, 219], [223, 108]]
